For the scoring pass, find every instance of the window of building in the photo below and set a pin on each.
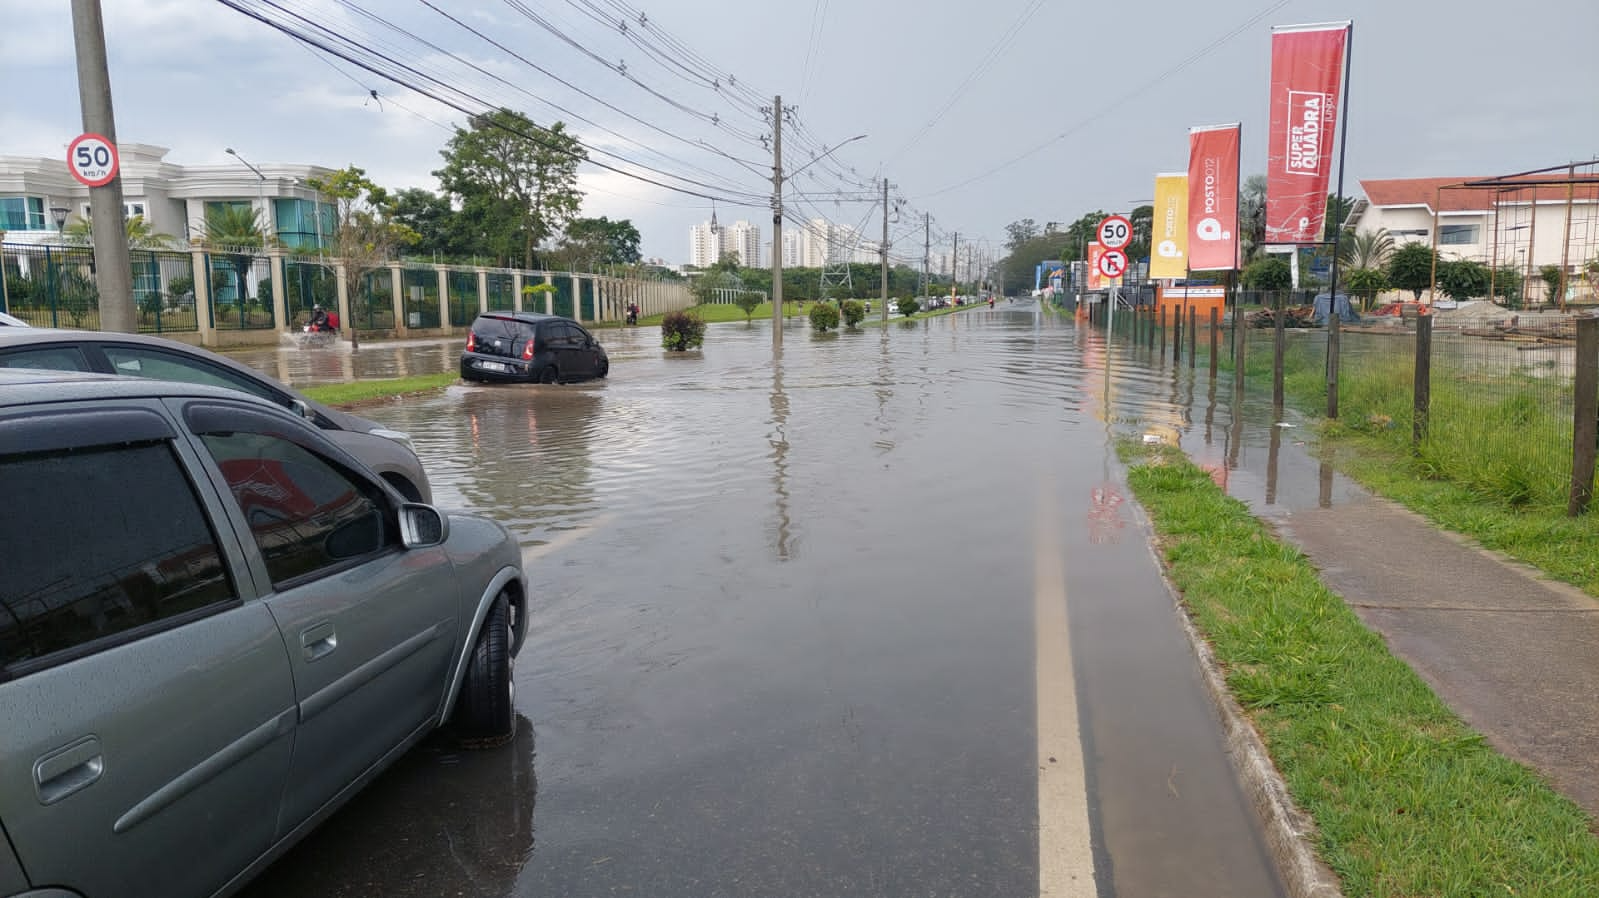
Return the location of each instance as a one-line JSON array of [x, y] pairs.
[[129, 210], [308, 516], [22, 213], [151, 555], [298, 227], [1457, 234]]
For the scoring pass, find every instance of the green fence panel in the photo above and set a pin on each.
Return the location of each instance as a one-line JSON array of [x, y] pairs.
[[502, 291], [563, 296], [463, 297], [421, 287], [307, 284], [373, 305]]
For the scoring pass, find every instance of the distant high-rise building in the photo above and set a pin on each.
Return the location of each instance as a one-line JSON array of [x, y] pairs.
[[829, 243], [793, 247], [710, 241]]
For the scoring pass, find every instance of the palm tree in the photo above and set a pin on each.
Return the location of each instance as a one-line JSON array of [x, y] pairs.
[[1367, 249], [141, 234], [230, 228]]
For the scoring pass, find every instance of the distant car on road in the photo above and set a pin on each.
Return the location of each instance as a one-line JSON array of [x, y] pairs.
[[12, 321], [215, 628], [530, 347], [388, 452]]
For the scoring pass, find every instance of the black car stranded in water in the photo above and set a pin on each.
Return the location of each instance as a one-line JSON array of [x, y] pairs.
[[528, 347]]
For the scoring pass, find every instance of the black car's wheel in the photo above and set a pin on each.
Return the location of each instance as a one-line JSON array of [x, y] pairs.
[[549, 375], [485, 711], [603, 369]]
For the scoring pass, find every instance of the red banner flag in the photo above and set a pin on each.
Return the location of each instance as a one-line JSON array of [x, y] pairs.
[[1213, 198], [1307, 68]]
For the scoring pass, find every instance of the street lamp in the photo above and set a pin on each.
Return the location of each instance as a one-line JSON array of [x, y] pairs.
[[266, 214], [59, 215]]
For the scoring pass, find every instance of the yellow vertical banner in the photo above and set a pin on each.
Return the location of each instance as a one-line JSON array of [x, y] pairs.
[[1168, 242]]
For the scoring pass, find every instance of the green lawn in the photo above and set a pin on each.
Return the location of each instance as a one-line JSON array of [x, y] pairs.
[[1408, 800], [368, 390]]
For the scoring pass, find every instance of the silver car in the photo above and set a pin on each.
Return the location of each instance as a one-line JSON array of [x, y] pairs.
[[215, 627], [388, 452]]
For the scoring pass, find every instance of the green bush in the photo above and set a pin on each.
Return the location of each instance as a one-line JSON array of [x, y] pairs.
[[824, 316], [854, 311], [908, 305], [681, 331]]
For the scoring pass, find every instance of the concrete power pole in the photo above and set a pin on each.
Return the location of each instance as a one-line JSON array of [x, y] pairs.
[[927, 248], [883, 252], [777, 224], [113, 273], [955, 266]]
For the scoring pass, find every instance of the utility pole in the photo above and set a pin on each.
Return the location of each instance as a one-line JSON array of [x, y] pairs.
[[927, 248], [113, 272], [777, 224], [955, 266], [882, 250]]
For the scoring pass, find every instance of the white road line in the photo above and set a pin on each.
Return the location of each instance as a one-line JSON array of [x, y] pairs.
[[566, 539], [1065, 851]]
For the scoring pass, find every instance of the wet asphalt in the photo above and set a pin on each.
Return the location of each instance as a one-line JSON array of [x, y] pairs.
[[784, 621]]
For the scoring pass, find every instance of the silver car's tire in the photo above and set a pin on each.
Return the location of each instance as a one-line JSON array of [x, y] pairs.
[[485, 713]]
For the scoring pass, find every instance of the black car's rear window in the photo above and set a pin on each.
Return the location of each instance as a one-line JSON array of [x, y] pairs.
[[502, 327]]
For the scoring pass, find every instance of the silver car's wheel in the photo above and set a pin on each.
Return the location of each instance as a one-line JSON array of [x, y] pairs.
[[485, 712]]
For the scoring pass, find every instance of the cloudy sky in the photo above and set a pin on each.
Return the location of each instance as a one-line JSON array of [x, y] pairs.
[[978, 113]]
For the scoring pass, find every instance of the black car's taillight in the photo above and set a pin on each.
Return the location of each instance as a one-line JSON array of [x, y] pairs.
[[528, 349], [471, 342]]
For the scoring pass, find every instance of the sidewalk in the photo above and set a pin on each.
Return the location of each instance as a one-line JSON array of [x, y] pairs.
[[1515, 655]]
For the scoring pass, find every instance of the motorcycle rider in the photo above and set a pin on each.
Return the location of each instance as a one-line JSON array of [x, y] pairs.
[[319, 320]]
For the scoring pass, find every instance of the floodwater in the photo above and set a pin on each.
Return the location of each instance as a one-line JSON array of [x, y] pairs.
[[787, 631]]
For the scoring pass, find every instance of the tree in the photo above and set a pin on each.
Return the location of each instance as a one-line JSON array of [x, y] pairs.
[[1366, 249], [1366, 283], [1462, 279], [1553, 277], [441, 230], [518, 180], [1338, 208], [908, 305], [1082, 232], [365, 236], [824, 316], [233, 228], [1143, 221], [1269, 273], [141, 234], [1019, 232], [853, 311], [600, 241], [1410, 268], [1252, 215], [1507, 281], [747, 301]]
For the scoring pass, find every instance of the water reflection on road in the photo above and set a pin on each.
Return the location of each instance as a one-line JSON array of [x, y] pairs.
[[783, 631]]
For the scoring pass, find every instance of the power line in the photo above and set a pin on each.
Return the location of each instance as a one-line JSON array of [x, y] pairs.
[[1117, 104]]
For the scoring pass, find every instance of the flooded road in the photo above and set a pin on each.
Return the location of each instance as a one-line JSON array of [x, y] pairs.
[[877, 619]]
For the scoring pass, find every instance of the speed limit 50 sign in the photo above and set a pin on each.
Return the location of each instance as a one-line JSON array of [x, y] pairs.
[[1115, 232], [93, 160]]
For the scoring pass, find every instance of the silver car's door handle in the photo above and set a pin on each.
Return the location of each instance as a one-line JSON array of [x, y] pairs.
[[68, 769], [319, 640]]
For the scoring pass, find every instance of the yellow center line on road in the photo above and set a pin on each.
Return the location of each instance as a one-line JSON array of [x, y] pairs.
[[1065, 851], [566, 538]]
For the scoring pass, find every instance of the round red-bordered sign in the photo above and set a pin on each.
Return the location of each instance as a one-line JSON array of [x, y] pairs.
[[1115, 232], [93, 160], [1112, 262]]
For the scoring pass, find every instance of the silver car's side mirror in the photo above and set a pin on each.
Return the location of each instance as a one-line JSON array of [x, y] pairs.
[[422, 526]]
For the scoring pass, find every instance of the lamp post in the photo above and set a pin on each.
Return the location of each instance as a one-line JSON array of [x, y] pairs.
[[266, 213]]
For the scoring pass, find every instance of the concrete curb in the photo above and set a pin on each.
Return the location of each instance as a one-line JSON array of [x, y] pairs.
[[1290, 833]]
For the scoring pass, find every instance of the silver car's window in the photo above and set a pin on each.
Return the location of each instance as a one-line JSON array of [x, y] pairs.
[[138, 361], [96, 543], [308, 516], [55, 358]]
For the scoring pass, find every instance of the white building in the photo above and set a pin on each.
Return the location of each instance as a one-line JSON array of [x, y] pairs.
[[828, 242], [793, 248], [174, 199], [743, 238], [1526, 228], [710, 241]]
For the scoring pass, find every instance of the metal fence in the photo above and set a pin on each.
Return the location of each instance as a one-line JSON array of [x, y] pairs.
[[421, 296], [308, 283], [54, 286], [241, 290], [502, 291], [1490, 407], [463, 296], [372, 307]]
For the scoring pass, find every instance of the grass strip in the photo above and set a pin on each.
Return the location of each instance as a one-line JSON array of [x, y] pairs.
[[1408, 800], [364, 391]]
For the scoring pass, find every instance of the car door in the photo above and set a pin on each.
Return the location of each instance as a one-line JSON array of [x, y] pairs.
[[585, 343], [369, 625], [147, 700], [575, 360]]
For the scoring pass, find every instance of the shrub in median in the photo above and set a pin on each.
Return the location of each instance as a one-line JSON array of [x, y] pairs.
[[681, 331], [824, 316], [909, 306], [854, 311]]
